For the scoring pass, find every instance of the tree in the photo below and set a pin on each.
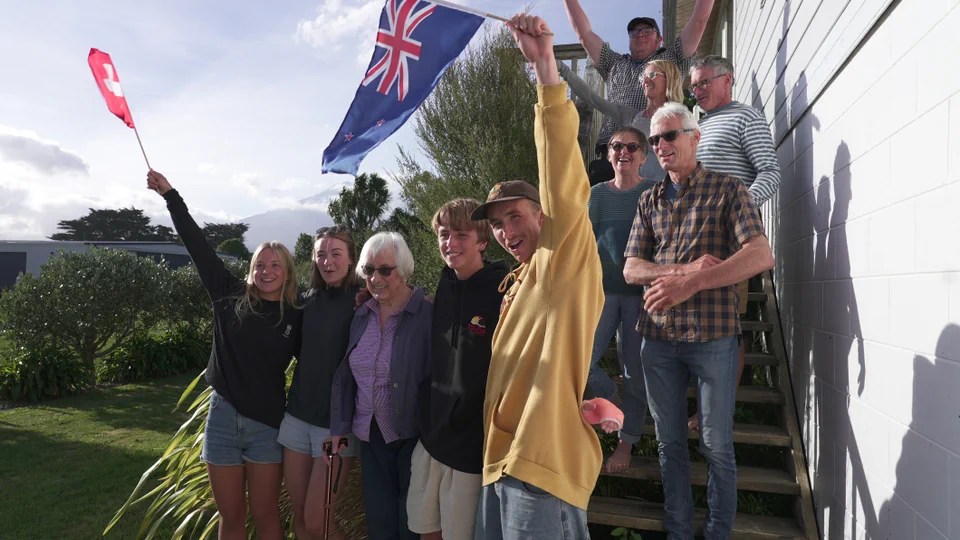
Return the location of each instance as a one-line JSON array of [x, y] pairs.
[[303, 249], [361, 207], [87, 303], [118, 225], [235, 247], [218, 233], [472, 137]]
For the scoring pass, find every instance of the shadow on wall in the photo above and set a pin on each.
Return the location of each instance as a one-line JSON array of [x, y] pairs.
[[839, 454], [916, 473], [820, 308]]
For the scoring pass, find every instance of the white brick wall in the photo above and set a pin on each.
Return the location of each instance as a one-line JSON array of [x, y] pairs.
[[866, 229]]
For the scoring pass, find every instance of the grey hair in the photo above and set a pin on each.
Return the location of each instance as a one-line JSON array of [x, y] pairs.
[[672, 109], [380, 242], [718, 64]]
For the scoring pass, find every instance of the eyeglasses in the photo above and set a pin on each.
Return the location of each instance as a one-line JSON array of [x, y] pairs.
[[702, 85], [630, 147], [669, 136], [384, 271], [653, 76], [641, 32]]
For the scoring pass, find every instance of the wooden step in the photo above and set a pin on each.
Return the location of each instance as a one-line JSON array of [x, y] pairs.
[[761, 359], [756, 326], [745, 433], [648, 516], [749, 478], [750, 394]]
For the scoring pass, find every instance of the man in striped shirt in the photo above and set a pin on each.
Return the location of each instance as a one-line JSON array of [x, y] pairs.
[[735, 140]]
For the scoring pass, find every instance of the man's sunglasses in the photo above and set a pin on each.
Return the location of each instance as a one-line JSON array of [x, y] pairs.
[[384, 271], [631, 147], [669, 136]]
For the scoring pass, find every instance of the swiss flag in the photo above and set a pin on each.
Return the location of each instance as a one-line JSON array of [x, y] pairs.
[[109, 82]]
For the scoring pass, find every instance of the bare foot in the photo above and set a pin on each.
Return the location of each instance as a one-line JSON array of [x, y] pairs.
[[620, 460], [693, 423]]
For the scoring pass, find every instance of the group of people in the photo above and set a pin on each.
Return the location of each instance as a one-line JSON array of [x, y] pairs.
[[467, 409]]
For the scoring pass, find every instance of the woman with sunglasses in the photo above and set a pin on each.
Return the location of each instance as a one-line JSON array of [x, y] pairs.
[[612, 207], [328, 307], [256, 332], [661, 82], [376, 387]]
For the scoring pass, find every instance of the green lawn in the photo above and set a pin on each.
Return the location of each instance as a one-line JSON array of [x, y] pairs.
[[67, 465]]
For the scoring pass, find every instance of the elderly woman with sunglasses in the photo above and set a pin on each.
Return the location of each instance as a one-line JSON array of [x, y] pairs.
[[376, 387]]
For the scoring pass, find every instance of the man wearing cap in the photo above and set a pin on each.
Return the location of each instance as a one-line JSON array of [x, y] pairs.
[[622, 72], [540, 459]]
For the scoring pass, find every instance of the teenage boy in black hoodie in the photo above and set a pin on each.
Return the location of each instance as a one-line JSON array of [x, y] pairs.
[[445, 478]]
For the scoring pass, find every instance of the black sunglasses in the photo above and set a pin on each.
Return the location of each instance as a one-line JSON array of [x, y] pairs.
[[384, 271], [631, 147], [669, 136]]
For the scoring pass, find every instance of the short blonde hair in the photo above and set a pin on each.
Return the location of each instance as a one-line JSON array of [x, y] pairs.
[[456, 215], [674, 78]]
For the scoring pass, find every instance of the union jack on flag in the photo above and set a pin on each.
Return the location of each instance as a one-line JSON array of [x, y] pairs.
[[393, 67], [416, 42]]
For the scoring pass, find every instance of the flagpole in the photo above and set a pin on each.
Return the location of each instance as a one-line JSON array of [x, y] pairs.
[[142, 151], [466, 9], [451, 5]]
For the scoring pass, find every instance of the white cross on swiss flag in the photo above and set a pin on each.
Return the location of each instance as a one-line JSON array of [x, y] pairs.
[[109, 82]]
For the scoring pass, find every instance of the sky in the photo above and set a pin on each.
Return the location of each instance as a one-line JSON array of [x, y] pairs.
[[234, 101]]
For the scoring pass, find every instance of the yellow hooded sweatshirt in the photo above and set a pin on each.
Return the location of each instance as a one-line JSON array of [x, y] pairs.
[[542, 344]]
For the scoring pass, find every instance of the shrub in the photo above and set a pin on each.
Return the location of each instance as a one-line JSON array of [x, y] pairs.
[[185, 302], [146, 356], [85, 303], [35, 375]]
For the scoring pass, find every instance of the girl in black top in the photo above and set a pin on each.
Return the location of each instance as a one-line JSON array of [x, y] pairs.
[[256, 331], [327, 313]]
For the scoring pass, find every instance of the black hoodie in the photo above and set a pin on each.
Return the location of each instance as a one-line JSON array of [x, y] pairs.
[[465, 314]]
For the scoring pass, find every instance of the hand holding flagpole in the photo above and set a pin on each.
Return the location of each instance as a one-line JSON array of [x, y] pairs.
[[109, 83]]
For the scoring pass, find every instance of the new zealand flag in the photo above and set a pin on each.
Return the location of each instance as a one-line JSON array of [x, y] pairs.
[[416, 43]]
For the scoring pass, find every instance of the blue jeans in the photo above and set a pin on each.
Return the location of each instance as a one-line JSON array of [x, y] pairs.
[[230, 438], [668, 366], [619, 315], [511, 509], [385, 477]]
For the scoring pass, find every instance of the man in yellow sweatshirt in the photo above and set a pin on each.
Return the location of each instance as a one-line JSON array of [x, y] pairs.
[[540, 459]]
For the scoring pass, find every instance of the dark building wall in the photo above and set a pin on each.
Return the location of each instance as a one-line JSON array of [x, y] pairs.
[[11, 265]]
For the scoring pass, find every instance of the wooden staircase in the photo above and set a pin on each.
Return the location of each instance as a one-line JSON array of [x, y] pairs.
[[779, 434]]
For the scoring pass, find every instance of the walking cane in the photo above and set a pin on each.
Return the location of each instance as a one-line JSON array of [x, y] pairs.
[[333, 484]]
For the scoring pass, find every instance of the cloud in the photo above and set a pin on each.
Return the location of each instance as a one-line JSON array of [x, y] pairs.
[[337, 23], [43, 156]]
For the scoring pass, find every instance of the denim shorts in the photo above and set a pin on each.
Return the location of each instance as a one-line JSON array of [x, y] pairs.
[[233, 439], [300, 436]]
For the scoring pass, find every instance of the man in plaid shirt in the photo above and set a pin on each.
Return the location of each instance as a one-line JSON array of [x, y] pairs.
[[697, 233], [623, 72]]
